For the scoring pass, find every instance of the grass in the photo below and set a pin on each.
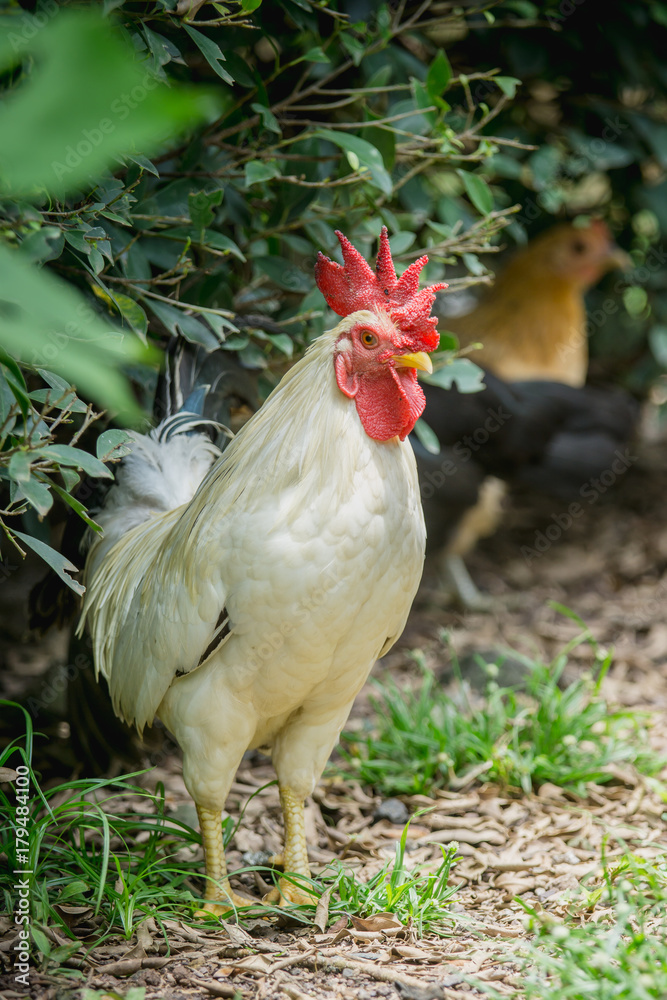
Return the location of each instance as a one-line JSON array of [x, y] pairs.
[[110, 847], [417, 896], [89, 846], [107, 847], [520, 737], [622, 953]]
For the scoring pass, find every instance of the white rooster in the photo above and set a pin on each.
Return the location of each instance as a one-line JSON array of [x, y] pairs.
[[245, 600]]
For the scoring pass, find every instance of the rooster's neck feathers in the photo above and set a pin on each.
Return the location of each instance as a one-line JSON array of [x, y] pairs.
[[287, 440]]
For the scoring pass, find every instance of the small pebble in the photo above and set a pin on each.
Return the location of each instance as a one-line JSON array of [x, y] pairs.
[[394, 810], [257, 859]]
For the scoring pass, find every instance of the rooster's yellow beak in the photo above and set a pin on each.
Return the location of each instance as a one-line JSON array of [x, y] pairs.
[[419, 360]]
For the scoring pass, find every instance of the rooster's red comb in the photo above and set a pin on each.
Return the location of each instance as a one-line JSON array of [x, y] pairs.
[[353, 286]]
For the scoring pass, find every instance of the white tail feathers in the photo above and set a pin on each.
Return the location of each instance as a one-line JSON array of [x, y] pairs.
[[162, 472]]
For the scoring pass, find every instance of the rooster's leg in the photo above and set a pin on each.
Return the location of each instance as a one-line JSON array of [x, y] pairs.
[[295, 855], [300, 753], [217, 882]]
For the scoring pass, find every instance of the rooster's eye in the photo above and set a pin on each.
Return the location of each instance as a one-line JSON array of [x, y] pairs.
[[369, 339]]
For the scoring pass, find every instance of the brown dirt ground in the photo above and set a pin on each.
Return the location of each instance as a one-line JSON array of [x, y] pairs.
[[610, 567]]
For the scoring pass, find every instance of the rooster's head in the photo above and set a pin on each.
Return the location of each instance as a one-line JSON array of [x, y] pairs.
[[387, 331]]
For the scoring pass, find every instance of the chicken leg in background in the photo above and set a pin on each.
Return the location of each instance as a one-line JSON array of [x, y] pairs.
[[251, 615], [222, 394], [546, 435], [550, 437], [532, 325]]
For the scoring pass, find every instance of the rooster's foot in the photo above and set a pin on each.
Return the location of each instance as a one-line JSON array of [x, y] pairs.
[[218, 909]]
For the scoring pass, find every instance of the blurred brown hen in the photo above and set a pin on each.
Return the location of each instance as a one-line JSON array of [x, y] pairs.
[[532, 327], [532, 322]]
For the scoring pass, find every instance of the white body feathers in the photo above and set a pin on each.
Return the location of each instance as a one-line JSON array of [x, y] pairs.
[[307, 532], [158, 475]]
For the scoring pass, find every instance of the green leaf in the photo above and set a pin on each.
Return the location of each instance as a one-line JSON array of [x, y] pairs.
[[438, 76], [45, 244], [69, 402], [252, 357], [70, 478], [269, 120], [354, 48], [162, 50], [427, 437], [220, 325], [383, 141], [366, 156], [76, 506], [467, 376], [51, 324], [55, 381], [507, 84], [478, 191], [400, 242], [237, 342], [94, 233], [96, 260], [7, 402], [207, 238], [65, 454], [63, 567], [114, 217], [448, 341], [211, 52], [38, 496], [63, 952], [473, 263], [19, 466], [201, 206], [248, 6], [10, 363], [144, 163], [283, 342], [257, 171], [77, 239], [60, 394], [178, 322], [67, 119], [382, 76], [317, 55], [284, 274], [113, 444], [132, 314], [41, 940], [19, 393], [423, 100], [635, 299]]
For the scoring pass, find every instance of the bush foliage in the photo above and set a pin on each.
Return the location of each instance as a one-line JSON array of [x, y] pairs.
[[174, 167]]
